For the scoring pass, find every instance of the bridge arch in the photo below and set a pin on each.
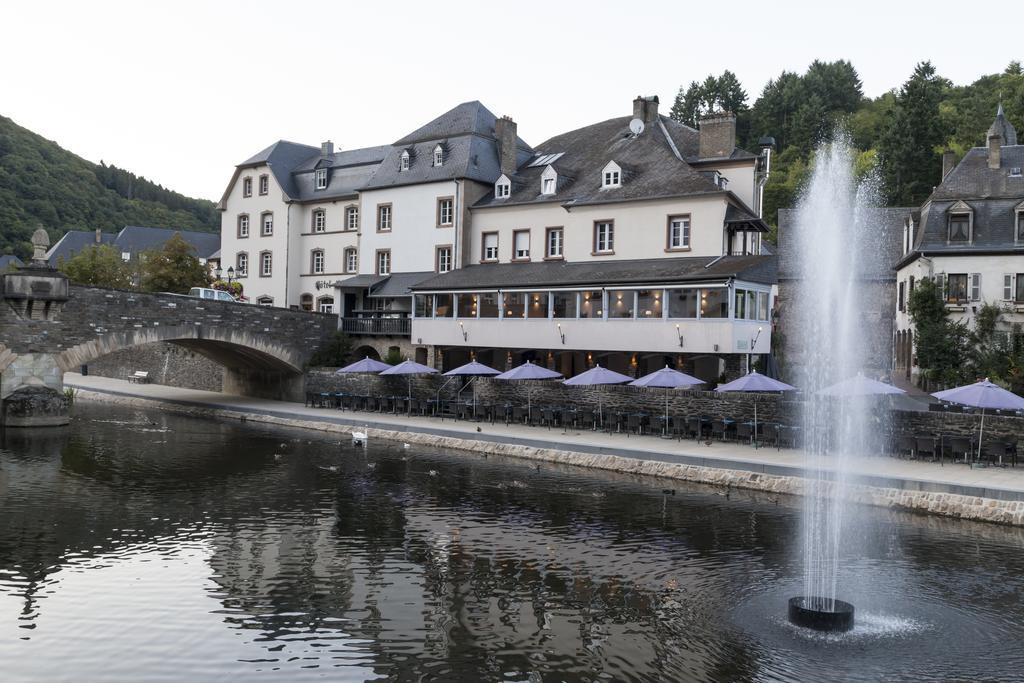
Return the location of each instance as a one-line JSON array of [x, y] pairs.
[[254, 364]]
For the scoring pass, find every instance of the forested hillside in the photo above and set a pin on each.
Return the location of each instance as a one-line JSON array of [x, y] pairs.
[[44, 184], [900, 134]]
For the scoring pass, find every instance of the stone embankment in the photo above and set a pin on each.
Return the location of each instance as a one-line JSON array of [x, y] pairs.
[[935, 502]]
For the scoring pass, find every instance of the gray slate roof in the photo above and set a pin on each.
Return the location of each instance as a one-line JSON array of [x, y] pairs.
[[973, 179], [885, 222], [760, 269], [347, 172], [399, 284], [466, 133], [650, 166], [133, 239], [8, 260], [282, 157]]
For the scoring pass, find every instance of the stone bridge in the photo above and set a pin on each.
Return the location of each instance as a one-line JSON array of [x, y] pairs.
[[48, 327]]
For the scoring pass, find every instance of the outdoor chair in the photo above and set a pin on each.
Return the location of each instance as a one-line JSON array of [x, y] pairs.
[[678, 426], [587, 419], [785, 437], [519, 414], [744, 432], [997, 452], [633, 425], [718, 430], [925, 445], [960, 448], [548, 417], [693, 427], [906, 446]]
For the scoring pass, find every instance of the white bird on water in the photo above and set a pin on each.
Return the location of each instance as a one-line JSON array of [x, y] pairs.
[[360, 438]]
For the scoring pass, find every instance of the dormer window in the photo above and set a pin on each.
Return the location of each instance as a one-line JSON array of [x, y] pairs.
[[960, 223], [549, 181], [404, 162], [611, 176], [321, 178], [503, 187], [438, 156]]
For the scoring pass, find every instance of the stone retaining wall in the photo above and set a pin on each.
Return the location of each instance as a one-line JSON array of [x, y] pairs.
[[947, 504], [166, 363]]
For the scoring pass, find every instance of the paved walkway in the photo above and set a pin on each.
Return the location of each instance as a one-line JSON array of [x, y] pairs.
[[1003, 483]]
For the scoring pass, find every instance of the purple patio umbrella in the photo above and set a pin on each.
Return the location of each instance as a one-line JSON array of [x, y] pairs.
[[409, 368], [366, 366], [983, 394], [755, 382], [597, 376], [859, 385], [667, 379], [473, 370], [528, 371]]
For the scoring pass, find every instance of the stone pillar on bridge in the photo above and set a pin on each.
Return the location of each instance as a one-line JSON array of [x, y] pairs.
[[31, 382]]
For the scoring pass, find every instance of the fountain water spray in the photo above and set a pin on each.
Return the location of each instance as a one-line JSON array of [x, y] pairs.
[[833, 240]]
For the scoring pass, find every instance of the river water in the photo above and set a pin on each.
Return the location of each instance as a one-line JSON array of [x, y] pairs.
[[139, 545]]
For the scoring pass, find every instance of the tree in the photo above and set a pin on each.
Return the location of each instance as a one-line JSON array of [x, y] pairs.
[[687, 107], [99, 265], [336, 353], [944, 349], [909, 150], [173, 268], [714, 94]]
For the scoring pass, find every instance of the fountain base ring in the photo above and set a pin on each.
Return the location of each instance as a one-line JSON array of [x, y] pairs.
[[807, 613]]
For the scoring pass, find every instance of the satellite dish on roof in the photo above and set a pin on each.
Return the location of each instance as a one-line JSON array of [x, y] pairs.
[[636, 126]]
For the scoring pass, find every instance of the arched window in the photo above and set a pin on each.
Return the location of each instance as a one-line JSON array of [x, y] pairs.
[[306, 302], [438, 155], [404, 162], [351, 260], [325, 304], [241, 264], [352, 218], [319, 220], [265, 301], [243, 225], [267, 223], [266, 264], [317, 261]]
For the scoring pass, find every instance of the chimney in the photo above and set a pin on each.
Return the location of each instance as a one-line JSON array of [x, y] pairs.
[[99, 236], [639, 107], [948, 162], [717, 135], [994, 142], [326, 149], [505, 131]]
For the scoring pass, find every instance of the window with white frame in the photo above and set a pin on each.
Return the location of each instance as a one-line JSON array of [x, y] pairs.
[[383, 217], [959, 221], [490, 247], [241, 264], [352, 218], [547, 186], [445, 211], [264, 184], [679, 232], [403, 164], [384, 262], [319, 220], [321, 178], [325, 304], [521, 245], [1013, 287], [247, 186], [266, 264], [604, 237], [611, 176], [265, 301], [444, 259], [549, 181], [351, 260], [243, 225], [318, 261], [554, 243], [438, 156], [268, 224]]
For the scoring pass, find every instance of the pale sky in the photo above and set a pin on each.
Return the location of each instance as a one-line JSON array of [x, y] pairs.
[[181, 91]]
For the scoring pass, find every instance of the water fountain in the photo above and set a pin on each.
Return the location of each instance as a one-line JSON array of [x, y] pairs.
[[832, 237]]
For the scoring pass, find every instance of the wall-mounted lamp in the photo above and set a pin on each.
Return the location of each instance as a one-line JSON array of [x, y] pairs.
[[679, 333], [560, 333], [465, 335], [753, 342]]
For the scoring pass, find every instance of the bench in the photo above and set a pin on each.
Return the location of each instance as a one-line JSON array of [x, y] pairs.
[[139, 377]]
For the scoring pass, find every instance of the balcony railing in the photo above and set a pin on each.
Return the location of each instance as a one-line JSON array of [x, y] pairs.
[[392, 327]]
